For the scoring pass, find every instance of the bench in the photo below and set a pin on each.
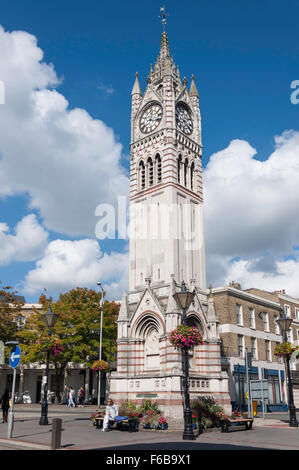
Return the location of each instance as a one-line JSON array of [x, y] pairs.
[[225, 426], [130, 424]]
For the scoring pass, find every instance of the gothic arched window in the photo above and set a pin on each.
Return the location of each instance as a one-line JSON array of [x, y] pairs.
[[141, 175], [192, 168], [179, 168], [186, 172], [158, 168], [150, 169]]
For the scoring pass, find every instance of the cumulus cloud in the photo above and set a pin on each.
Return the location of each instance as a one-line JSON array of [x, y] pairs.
[[26, 243], [68, 264], [65, 160], [251, 209], [284, 276]]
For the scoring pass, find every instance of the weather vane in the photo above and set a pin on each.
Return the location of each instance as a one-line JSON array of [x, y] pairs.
[[163, 16]]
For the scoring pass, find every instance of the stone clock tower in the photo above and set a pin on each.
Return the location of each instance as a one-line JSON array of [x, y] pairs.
[[166, 247]]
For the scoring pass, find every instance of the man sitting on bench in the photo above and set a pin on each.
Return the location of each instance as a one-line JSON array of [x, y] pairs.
[[111, 412]]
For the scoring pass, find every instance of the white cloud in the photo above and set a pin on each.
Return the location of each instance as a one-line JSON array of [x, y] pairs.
[[66, 161], [68, 264], [27, 243], [107, 90], [251, 214], [286, 276]]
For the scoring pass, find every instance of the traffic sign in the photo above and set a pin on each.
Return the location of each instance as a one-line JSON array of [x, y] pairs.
[[15, 356]]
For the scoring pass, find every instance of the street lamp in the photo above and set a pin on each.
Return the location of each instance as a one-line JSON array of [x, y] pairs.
[[101, 334], [183, 300], [284, 325], [50, 320]]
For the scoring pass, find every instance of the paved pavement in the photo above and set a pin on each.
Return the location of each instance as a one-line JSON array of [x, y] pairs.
[[79, 434]]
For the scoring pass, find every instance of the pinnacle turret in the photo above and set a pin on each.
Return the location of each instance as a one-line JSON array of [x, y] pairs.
[[193, 90], [136, 88]]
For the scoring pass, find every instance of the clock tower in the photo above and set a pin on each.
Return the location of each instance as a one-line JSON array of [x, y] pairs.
[[166, 247]]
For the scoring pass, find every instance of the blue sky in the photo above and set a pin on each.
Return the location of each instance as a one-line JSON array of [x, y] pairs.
[[244, 55]]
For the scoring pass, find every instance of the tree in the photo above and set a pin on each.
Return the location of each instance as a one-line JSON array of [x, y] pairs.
[[10, 310], [77, 328]]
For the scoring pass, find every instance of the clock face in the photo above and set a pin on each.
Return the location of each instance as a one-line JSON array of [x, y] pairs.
[[183, 119], [150, 118]]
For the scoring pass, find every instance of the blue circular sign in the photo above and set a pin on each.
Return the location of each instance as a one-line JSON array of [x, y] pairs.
[[15, 356]]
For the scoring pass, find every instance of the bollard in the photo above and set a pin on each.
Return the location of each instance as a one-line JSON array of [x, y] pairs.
[[56, 433]]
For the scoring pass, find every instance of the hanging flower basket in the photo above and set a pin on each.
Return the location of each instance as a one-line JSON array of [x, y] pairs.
[[50, 344], [185, 337], [285, 349], [100, 366]]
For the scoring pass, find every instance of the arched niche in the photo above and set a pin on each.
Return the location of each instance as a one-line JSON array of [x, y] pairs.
[[148, 329], [195, 321]]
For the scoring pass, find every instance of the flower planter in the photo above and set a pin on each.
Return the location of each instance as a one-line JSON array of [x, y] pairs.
[[185, 337]]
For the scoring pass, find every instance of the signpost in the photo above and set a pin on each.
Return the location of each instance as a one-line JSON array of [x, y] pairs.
[[259, 391], [248, 366], [14, 360]]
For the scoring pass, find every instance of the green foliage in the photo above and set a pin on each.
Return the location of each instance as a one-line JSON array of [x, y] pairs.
[[149, 405], [10, 308], [285, 349], [77, 329], [127, 407], [208, 412]]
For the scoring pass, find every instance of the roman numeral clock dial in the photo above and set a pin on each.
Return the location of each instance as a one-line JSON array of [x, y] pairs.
[[183, 119], [150, 118]]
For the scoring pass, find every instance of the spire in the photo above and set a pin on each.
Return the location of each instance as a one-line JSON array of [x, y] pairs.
[[164, 64], [136, 88], [171, 304], [164, 48], [193, 90], [124, 308]]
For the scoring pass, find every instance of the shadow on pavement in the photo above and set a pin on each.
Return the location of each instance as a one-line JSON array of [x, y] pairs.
[[182, 446]]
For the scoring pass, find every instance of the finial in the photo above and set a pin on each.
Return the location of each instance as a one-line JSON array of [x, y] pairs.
[[185, 81], [163, 16]]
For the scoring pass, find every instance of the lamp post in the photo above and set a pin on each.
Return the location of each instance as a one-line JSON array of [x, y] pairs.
[[183, 300], [284, 324], [50, 320], [101, 334]]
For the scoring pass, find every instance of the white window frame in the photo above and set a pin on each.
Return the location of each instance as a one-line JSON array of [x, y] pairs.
[[297, 313], [276, 325], [239, 314], [254, 349], [287, 310], [241, 347], [252, 317], [266, 321], [290, 335]]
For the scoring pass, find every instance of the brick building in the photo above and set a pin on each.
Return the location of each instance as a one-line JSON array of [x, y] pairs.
[[247, 320]]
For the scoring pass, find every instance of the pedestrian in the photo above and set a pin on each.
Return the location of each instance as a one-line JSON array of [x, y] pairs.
[[67, 391], [4, 400], [81, 395], [110, 413], [71, 403]]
